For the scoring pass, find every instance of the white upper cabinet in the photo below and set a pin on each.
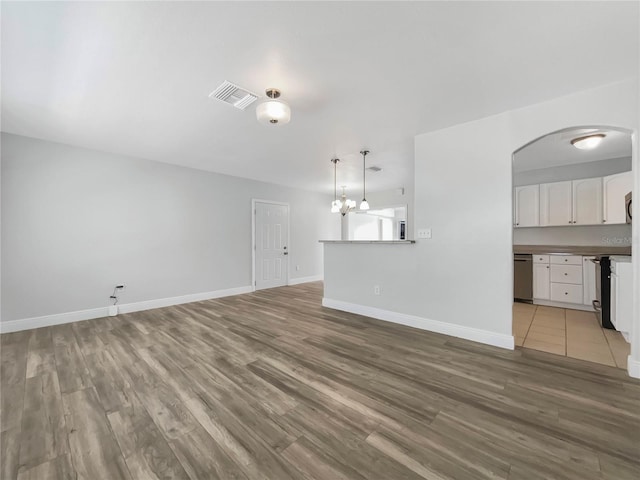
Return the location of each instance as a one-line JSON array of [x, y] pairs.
[[587, 201], [555, 204], [615, 187], [527, 206]]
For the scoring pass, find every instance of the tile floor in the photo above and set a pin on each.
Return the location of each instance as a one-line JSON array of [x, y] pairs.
[[572, 333]]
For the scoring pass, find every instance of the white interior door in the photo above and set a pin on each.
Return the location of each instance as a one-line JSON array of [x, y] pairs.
[[271, 245]]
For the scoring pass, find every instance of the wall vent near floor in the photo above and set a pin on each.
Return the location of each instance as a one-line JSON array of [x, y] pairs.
[[234, 95]]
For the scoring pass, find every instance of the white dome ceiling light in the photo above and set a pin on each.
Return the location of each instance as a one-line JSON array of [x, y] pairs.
[[588, 141], [273, 112]]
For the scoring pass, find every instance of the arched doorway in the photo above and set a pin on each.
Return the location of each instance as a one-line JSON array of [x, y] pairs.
[[569, 207]]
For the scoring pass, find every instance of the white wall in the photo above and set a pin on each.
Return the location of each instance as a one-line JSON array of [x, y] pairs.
[[75, 222], [463, 180], [460, 187], [576, 171]]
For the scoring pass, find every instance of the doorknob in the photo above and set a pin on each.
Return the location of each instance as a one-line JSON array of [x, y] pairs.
[[286, 253]]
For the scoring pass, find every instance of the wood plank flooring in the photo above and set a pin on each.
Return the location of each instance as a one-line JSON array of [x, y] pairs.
[[271, 385]]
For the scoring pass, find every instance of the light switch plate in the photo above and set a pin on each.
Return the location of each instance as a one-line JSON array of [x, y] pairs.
[[424, 233]]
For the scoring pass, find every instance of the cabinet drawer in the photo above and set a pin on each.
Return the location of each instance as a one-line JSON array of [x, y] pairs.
[[540, 258], [566, 274], [566, 259], [566, 292]]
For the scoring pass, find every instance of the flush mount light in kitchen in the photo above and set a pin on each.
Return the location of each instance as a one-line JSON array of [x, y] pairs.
[[588, 141], [274, 111]]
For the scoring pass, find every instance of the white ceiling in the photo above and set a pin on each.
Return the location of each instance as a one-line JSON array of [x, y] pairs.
[[133, 77], [555, 150]]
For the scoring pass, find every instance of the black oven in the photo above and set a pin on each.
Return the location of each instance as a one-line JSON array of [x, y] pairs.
[[602, 303]]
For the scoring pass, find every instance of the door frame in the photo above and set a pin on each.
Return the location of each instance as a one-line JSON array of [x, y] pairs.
[[253, 237]]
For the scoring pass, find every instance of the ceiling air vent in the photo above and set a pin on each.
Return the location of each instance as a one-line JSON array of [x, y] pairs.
[[233, 95]]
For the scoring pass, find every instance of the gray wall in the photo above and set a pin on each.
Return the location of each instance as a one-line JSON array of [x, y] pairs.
[[588, 235], [75, 222], [577, 171]]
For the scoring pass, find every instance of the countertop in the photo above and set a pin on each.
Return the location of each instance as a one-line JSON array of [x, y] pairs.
[[376, 242], [573, 249]]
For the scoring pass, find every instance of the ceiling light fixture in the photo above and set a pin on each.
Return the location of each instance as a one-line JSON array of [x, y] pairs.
[[344, 205], [588, 141], [336, 204], [273, 112], [364, 205]]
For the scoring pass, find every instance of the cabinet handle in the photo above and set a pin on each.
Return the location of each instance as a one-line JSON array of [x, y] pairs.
[[566, 274], [517, 224], [566, 293], [603, 221], [547, 266]]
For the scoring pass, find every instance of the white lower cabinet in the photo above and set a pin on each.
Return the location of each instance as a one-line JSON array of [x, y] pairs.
[[541, 282], [567, 274], [588, 280], [564, 279], [622, 294], [566, 292]]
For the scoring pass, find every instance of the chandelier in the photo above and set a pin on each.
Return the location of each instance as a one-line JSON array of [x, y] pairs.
[[344, 205]]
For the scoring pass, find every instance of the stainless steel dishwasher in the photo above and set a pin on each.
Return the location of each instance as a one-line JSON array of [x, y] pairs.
[[523, 277]]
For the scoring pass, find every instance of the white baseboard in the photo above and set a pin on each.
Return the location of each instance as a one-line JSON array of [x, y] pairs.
[[194, 297], [570, 306], [299, 280], [56, 319], [468, 333], [633, 367], [68, 317]]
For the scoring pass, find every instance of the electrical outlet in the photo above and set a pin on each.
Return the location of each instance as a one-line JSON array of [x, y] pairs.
[[424, 233], [376, 289]]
